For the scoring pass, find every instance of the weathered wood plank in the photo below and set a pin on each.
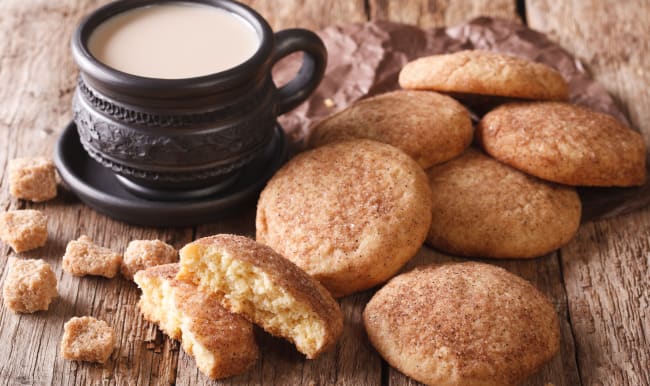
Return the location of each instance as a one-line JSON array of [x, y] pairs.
[[308, 13], [437, 13], [38, 77], [610, 38], [606, 267], [606, 273]]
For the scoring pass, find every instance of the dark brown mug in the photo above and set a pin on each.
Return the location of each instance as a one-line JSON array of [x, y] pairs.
[[188, 136]]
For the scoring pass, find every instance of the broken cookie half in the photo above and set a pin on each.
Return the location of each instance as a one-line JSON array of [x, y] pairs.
[[253, 280], [222, 344]]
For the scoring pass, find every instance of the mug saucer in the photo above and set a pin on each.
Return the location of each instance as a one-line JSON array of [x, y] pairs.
[[100, 189]]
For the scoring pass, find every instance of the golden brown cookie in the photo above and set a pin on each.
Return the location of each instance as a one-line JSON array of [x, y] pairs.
[[253, 280], [350, 214], [564, 143], [428, 126], [464, 324], [484, 208], [485, 73], [223, 344]]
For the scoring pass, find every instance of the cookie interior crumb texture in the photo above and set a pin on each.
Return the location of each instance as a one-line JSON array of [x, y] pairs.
[[24, 229], [465, 324], [87, 339], [83, 257], [254, 281], [223, 344], [142, 254], [32, 179], [30, 285]]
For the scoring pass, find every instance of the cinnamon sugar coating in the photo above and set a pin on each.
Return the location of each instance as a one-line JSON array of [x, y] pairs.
[[350, 214], [484, 208], [223, 344], [428, 126], [485, 73], [564, 143], [464, 324]]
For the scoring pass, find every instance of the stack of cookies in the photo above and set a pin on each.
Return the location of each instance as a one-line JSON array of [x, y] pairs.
[[395, 170]]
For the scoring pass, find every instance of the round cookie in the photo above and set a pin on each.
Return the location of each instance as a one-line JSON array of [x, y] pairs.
[[485, 73], [428, 126], [466, 324], [484, 208], [350, 214], [564, 143]]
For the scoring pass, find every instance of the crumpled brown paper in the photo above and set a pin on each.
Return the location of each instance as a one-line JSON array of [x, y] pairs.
[[365, 59]]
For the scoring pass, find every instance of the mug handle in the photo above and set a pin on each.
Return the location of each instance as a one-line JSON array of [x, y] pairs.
[[311, 71]]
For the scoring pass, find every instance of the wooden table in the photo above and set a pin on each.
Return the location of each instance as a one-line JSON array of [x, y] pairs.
[[599, 283]]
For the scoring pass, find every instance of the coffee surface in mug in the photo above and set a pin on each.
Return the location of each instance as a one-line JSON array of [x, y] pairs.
[[174, 41]]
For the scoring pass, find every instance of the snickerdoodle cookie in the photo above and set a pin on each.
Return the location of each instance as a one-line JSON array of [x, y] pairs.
[[253, 280], [223, 344], [484, 208], [485, 73], [464, 324], [428, 126], [350, 214], [564, 143]]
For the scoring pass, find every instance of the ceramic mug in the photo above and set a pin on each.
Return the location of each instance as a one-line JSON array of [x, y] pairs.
[[192, 135]]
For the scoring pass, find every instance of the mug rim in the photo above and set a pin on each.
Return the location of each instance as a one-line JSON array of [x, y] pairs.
[[127, 83]]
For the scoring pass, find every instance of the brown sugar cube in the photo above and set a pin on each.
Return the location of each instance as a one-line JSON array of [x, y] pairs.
[[143, 254], [87, 339], [32, 179], [83, 257], [24, 229], [30, 286]]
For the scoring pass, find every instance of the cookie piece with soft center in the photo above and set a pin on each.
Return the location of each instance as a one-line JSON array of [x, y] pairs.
[[564, 143], [485, 73], [223, 344], [253, 280], [484, 208], [466, 324], [350, 214], [428, 126]]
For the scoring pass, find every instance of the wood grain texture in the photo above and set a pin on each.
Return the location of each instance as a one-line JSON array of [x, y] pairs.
[[606, 270], [598, 283], [437, 13], [606, 267], [610, 38], [309, 13]]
